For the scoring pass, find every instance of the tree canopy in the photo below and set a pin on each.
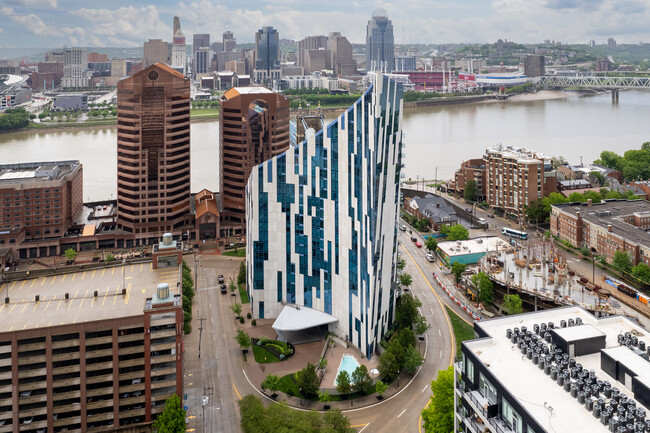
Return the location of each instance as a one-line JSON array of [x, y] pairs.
[[438, 417], [634, 164], [343, 382], [484, 286], [512, 304], [455, 233], [470, 191], [172, 418], [622, 261], [457, 268], [14, 118], [308, 380], [431, 244]]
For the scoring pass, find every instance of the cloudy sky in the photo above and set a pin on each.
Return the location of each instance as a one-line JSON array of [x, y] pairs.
[[54, 23]]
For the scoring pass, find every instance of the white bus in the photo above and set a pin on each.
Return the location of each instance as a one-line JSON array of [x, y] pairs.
[[514, 233]]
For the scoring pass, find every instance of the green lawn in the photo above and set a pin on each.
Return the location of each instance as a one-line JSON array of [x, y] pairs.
[[204, 112], [241, 252], [243, 294], [263, 356], [462, 330], [286, 385]]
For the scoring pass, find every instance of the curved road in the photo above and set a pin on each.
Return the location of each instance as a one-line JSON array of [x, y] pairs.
[[218, 374]]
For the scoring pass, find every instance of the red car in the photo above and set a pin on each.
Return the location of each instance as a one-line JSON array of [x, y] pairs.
[[418, 244]]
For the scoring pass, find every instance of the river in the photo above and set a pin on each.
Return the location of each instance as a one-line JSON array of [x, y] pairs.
[[438, 137]]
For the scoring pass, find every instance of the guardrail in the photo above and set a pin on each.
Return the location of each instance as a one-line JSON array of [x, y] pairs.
[[458, 302]]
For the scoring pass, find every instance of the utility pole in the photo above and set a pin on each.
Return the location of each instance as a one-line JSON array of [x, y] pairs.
[[200, 332]]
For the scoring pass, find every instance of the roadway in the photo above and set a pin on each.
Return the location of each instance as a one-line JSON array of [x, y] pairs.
[[218, 375]]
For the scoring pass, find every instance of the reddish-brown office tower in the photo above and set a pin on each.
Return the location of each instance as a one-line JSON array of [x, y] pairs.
[[254, 127], [153, 153]]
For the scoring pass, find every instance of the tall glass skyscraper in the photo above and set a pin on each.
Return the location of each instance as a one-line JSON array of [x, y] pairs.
[[380, 45], [321, 221], [267, 54]]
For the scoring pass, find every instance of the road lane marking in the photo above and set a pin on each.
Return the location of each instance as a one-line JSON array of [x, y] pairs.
[[64, 275], [53, 280], [439, 334], [93, 275], [33, 281], [107, 290], [424, 389], [233, 385], [84, 298], [401, 413], [103, 270], [23, 310], [49, 302], [21, 286], [42, 282]]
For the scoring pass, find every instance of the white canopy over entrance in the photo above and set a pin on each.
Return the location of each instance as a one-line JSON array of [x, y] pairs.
[[295, 318]]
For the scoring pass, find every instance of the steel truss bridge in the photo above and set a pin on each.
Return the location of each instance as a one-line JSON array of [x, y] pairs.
[[611, 83]]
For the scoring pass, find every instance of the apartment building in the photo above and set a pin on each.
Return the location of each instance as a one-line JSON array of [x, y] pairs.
[[516, 177], [39, 200], [472, 169], [607, 227], [560, 370], [75, 63], [90, 351]]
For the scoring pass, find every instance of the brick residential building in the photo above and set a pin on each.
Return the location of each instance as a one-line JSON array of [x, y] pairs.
[[436, 209], [153, 154], [604, 228], [40, 200], [517, 177], [253, 128], [110, 357], [472, 169]]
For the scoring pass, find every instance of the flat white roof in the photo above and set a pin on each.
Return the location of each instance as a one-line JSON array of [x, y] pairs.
[[535, 390], [579, 332], [472, 246], [247, 90], [631, 360], [297, 318]]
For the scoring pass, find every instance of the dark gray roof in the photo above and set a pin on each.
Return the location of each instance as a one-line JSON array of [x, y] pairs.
[[436, 208]]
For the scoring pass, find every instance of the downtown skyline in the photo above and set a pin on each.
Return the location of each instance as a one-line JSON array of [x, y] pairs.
[[50, 23]]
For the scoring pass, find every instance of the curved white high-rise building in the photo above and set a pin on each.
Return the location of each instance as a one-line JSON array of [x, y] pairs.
[[321, 223]]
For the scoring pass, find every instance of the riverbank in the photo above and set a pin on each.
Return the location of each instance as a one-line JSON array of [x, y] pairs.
[[542, 95]]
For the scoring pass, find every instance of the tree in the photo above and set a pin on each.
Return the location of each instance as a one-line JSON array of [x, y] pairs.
[[406, 311], [512, 304], [361, 379], [388, 366], [401, 263], [622, 261], [421, 224], [406, 338], [324, 396], [439, 415], [236, 308], [457, 233], [413, 360], [241, 277], [172, 418], [405, 280], [271, 382], [642, 272], [336, 422], [243, 339], [308, 380], [598, 176], [536, 211], [380, 387], [253, 414], [322, 363], [484, 287], [232, 287], [470, 192], [557, 161], [70, 254], [421, 325], [343, 382], [457, 268], [431, 244]]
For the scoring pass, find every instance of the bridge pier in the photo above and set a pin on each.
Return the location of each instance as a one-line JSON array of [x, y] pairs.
[[614, 96]]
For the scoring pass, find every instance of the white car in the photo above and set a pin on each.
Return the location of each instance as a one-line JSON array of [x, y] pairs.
[[402, 227], [431, 258]]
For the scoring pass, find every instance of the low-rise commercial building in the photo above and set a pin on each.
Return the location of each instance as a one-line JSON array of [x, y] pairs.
[[470, 251], [604, 228], [560, 370], [98, 351], [39, 200], [70, 102]]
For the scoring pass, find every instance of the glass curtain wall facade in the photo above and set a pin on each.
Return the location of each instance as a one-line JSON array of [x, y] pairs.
[[322, 217], [380, 44]]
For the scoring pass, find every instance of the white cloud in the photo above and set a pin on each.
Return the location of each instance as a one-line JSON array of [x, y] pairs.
[[32, 23], [50, 3]]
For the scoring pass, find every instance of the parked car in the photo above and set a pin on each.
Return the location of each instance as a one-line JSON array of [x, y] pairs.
[[490, 215], [431, 258], [402, 227], [418, 244], [136, 381], [468, 209], [224, 289], [220, 278], [414, 239]]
